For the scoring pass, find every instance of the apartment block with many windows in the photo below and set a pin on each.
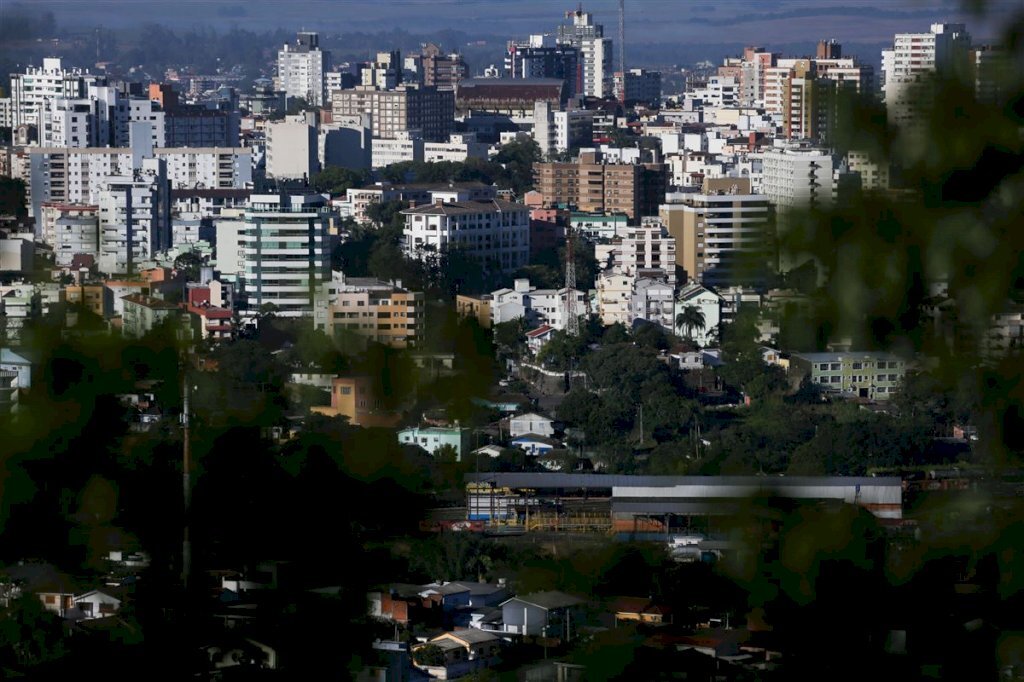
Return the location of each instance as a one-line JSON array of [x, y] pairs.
[[875, 376], [378, 311]]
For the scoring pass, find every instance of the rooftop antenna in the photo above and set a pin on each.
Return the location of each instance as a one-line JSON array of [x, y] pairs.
[[622, 42]]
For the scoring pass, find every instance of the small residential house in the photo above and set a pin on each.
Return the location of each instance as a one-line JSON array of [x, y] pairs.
[[485, 594], [538, 338], [531, 422], [545, 614], [460, 653], [398, 604], [535, 444], [698, 359], [98, 603], [489, 450], [432, 438], [707, 302], [640, 610], [55, 589], [12, 362], [358, 398], [9, 392], [449, 596]]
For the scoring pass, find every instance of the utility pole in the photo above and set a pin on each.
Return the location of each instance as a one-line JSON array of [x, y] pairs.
[[186, 478], [641, 423]]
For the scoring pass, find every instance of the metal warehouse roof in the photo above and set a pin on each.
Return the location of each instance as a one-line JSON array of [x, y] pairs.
[[557, 480]]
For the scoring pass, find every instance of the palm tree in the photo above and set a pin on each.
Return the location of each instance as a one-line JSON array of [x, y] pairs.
[[689, 319]]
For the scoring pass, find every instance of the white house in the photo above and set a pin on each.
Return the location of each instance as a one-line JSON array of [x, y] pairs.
[[535, 444], [707, 302], [432, 438], [12, 362], [531, 422], [97, 604], [537, 338], [548, 614]]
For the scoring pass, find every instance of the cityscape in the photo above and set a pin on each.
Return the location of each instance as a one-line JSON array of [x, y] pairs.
[[409, 341]]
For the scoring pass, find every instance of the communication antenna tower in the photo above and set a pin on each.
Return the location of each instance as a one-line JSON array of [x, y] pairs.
[[572, 319], [622, 38]]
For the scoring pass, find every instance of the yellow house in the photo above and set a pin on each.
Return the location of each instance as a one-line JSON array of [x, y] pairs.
[[357, 399]]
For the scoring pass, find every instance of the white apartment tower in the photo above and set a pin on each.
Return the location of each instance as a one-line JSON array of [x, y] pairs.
[[595, 70], [798, 177], [33, 89], [292, 148], [913, 58], [134, 217], [286, 252], [301, 67], [101, 118]]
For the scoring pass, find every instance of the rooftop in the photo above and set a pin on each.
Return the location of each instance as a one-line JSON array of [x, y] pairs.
[[559, 480], [547, 600], [465, 207], [149, 302], [849, 355], [471, 636]]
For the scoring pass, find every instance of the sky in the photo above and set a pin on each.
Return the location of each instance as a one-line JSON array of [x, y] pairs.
[[647, 21]]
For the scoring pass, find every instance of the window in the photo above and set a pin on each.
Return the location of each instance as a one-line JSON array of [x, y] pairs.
[[345, 390], [50, 599], [857, 365], [835, 366]]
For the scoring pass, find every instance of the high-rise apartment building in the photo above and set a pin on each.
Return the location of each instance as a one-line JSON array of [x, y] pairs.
[[828, 49], [540, 57], [379, 311], [134, 217], [406, 108], [794, 179], [292, 148], [594, 74], [593, 186], [103, 117], [798, 177], [301, 67], [721, 233], [638, 85], [806, 92], [286, 253], [494, 233], [646, 250], [33, 89], [440, 70], [77, 175], [914, 58], [384, 73]]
